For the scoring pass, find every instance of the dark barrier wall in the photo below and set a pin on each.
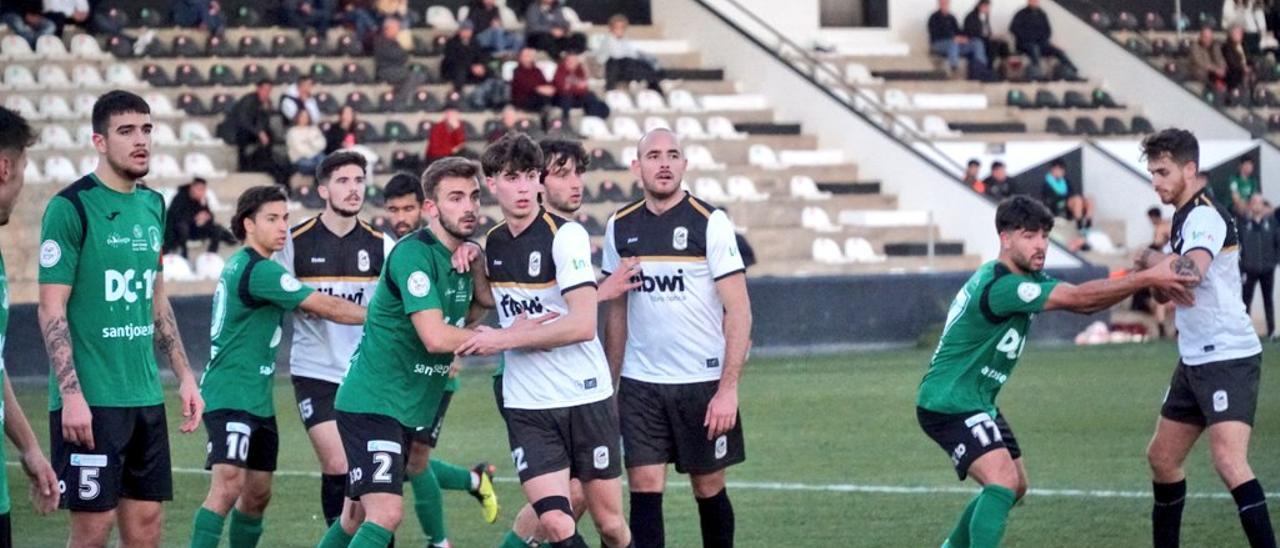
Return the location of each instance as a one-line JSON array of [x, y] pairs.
[[597, 11], [791, 314]]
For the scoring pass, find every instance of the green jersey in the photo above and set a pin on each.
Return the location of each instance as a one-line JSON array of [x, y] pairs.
[[392, 373], [252, 296], [106, 245], [4, 329], [986, 329]]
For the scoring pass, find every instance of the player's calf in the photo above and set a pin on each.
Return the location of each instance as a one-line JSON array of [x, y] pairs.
[[91, 529], [141, 522], [225, 486]]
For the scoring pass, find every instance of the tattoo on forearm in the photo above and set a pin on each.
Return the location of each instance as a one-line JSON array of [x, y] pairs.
[[168, 341], [1185, 266], [57, 343]]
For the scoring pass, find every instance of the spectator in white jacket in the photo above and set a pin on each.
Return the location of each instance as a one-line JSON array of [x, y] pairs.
[[623, 61], [1250, 15], [299, 97], [305, 143]]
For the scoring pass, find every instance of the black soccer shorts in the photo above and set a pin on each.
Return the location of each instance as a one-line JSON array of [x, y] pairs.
[[664, 423], [1214, 392], [430, 435], [315, 400], [377, 447], [242, 440], [129, 459], [967, 436], [582, 438]]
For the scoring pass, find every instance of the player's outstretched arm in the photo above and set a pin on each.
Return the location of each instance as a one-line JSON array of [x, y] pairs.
[[578, 325], [44, 483], [1097, 295], [722, 411], [77, 420], [168, 341], [334, 309], [438, 336]]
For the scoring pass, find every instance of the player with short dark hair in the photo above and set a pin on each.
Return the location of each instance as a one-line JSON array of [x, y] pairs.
[[679, 343], [417, 320], [1215, 384], [249, 304], [102, 294], [984, 334]]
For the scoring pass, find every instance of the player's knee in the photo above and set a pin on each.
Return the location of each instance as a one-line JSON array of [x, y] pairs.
[[707, 485], [333, 465], [1021, 489], [255, 501], [555, 516], [1232, 467], [611, 527], [388, 518], [646, 479], [1162, 462]]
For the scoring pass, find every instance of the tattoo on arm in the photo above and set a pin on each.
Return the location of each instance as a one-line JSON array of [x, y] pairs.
[[57, 343], [1186, 266], [168, 341]]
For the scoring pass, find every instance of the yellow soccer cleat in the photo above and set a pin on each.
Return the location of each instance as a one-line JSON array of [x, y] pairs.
[[484, 492]]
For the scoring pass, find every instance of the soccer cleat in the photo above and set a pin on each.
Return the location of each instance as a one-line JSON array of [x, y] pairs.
[[484, 491]]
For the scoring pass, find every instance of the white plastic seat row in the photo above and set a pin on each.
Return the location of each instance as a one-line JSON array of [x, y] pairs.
[[740, 188], [856, 250], [858, 73], [883, 217], [20, 77], [805, 188], [735, 102]]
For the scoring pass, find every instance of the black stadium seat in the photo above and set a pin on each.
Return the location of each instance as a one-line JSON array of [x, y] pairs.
[[1102, 99], [1154, 22], [252, 47], [469, 129], [185, 46], [118, 17], [389, 101], [603, 159], [1126, 21], [423, 130], [1138, 46], [1075, 99], [366, 133], [1175, 70], [222, 103], [283, 45], [402, 160], [253, 73], [191, 104], [1056, 124], [246, 16], [1262, 97], [1114, 126], [315, 45], [423, 47], [119, 47], [353, 73], [188, 75], [158, 49], [395, 131], [1101, 20], [1086, 126], [287, 73], [324, 74], [156, 76], [1206, 19], [221, 75], [348, 46], [328, 105], [220, 47], [425, 101], [1273, 122], [1046, 99], [360, 102], [151, 18]]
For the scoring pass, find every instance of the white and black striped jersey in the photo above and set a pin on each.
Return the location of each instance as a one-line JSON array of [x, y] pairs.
[[675, 319], [343, 266], [1216, 328], [530, 273]]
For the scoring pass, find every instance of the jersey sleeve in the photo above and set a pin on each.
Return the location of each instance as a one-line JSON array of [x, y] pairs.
[[61, 236], [1204, 229], [270, 282], [571, 252], [1014, 294], [609, 257], [416, 276], [722, 246], [284, 257]]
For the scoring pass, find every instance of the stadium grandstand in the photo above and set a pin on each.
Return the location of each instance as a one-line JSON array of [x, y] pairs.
[[861, 151]]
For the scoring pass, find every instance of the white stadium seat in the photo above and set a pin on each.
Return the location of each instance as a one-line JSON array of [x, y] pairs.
[[56, 136], [119, 74], [19, 77], [165, 166], [721, 128], [509, 70], [198, 164], [859, 250], [804, 187], [84, 46], [53, 77], [762, 155], [827, 251], [177, 269], [619, 101], [32, 174], [82, 104], [84, 136], [739, 101], [196, 133], [86, 76], [816, 218], [700, 158], [688, 127], [160, 105], [59, 169], [655, 122], [509, 18], [163, 135], [593, 127], [627, 155], [709, 189], [440, 18], [935, 126], [90, 163], [14, 48], [682, 101], [649, 100], [51, 47], [904, 126], [744, 189], [55, 107], [548, 69], [209, 266], [858, 73], [23, 106], [575, 23], [626, 128], [896, 99]]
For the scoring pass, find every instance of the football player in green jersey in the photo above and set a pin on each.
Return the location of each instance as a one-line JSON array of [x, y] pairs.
[[249, 304], [985, 331], [102, 308], [44, 483]]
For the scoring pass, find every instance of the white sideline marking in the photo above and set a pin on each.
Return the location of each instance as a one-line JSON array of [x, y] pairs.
[[843, 487]]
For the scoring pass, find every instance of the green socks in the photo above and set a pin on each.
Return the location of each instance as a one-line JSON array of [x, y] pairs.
[[371, 535], [959, 537], [512, 540], [207, 530], [990, 512], [245, 530], [428, 504], [451, 476], [335, 537]]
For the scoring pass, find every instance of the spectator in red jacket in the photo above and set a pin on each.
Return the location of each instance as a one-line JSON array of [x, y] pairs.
[[571, 87], [447, 136], [530, 90]]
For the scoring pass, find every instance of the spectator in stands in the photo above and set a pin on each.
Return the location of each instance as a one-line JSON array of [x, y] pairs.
[[946, 39], [507, 123], [572, 90], [1207, 62], [359, 14], [1239, 66], [486, 16], [998, 185], [465, 60], [971, 177], [203, 14], [1031, 34], [623, 61], [447, 136], [306, 144], [1244, 184], [391, 60], [546, 28], [298, 98], [977, 26], [26, 19], [306, 15], [530, 90], [393, 8], [1161, 228], [255, 142], [1251, 17], [343, 133], [1259, 254], [189, 218], [1064, 198]]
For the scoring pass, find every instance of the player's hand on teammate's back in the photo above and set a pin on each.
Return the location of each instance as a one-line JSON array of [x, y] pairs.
[[77, 420], [192, 406], [622, 280], [488, 341], [462, 257], [722, 412], [44, 482], [1172, 283]]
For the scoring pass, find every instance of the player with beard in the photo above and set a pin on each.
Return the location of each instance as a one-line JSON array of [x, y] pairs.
[[417, 320], [337, 253], [102, 309], [404, 197], [985, 332]]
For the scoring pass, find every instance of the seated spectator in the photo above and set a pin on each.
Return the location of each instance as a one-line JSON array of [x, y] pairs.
[[391, 60], [255, 142], [486, 17], [465, 60], [358, 14], [393, 8], [546, 28], [1031, 34], [306, 144], [997, 184], [306, 15], [971, 177], [1065, 199], [623, 61], [530, 90], [946, 39], [298, 98], [1239, 65], [447, 136], [202, 14], [26, 19], [188, 218], [79, 12], [510, 117], [977, 26], [1208, 64], [1251, 17], [1244, 184], [572, 90], [343, 133]]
